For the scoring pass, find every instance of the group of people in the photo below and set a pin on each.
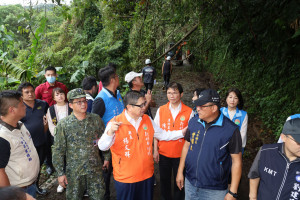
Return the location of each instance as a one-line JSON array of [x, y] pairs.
[[98, 133], [26, 140]]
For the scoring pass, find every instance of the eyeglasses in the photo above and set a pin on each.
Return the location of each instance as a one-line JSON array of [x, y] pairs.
[[141, 105], [80, 102], [291, 138]]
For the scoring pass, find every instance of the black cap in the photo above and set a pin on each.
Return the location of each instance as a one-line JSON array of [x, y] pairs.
[[292, 127], [206, 96]]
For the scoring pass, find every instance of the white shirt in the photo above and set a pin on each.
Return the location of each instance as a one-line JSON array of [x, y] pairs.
[[89, 97], [174, 112], [107, 141], [61, 112]]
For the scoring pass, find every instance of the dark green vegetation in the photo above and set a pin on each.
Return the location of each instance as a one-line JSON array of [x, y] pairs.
[[252, 45]]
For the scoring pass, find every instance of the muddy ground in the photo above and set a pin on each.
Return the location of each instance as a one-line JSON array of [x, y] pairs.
[[189, 80]]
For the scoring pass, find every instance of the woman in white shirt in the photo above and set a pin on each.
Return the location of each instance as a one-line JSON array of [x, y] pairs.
[[59, 110], [233, 110]]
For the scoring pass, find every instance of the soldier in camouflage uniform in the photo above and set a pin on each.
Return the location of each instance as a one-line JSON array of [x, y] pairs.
[[76, 137]]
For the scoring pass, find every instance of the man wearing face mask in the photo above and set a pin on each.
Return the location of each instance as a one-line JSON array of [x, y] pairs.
[[44, 90]]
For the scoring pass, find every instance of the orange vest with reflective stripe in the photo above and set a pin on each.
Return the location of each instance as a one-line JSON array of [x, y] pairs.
[[132, 156], [172, 149]]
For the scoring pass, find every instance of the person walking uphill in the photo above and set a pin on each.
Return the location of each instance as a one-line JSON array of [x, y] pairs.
[[129, 137], [213, 146], [275, 172], [76, 139], [149, 74], [166, 71]]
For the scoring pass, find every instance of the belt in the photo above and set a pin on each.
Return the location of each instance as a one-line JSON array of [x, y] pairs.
[[24, 187]]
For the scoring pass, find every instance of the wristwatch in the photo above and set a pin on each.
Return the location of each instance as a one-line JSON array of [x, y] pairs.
[[235, 195]]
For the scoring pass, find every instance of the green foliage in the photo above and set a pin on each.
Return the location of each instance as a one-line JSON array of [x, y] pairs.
[[37, 34], [9, 18], [79, 73], [6, 80], [251, 45], [255, 51]]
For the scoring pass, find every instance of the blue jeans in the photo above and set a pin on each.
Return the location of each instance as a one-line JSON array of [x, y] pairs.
[[192, 193], [31, 190]]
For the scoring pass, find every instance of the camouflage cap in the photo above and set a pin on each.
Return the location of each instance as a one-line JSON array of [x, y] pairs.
[[76, 94]]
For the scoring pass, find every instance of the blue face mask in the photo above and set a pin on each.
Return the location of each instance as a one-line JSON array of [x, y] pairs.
[[51, 79]]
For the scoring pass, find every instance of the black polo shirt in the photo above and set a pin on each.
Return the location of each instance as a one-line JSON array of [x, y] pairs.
[[34, 121]]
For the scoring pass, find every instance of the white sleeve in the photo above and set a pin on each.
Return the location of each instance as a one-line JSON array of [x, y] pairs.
[[280, 140], [244, 131], [106, 141], [50, 123], [157, 119], [192, 115], [161, 134]]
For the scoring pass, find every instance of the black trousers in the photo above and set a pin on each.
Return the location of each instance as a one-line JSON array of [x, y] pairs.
[[41, 151], [49, 143], [167, 79], [148, 86], [166, 166], [106, 176]]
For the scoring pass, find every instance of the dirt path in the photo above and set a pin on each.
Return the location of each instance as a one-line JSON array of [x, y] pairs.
[[189, 80]]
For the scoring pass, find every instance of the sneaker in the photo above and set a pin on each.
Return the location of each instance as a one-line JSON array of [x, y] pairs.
[[85, 194], [41, 191], [60, 189]]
